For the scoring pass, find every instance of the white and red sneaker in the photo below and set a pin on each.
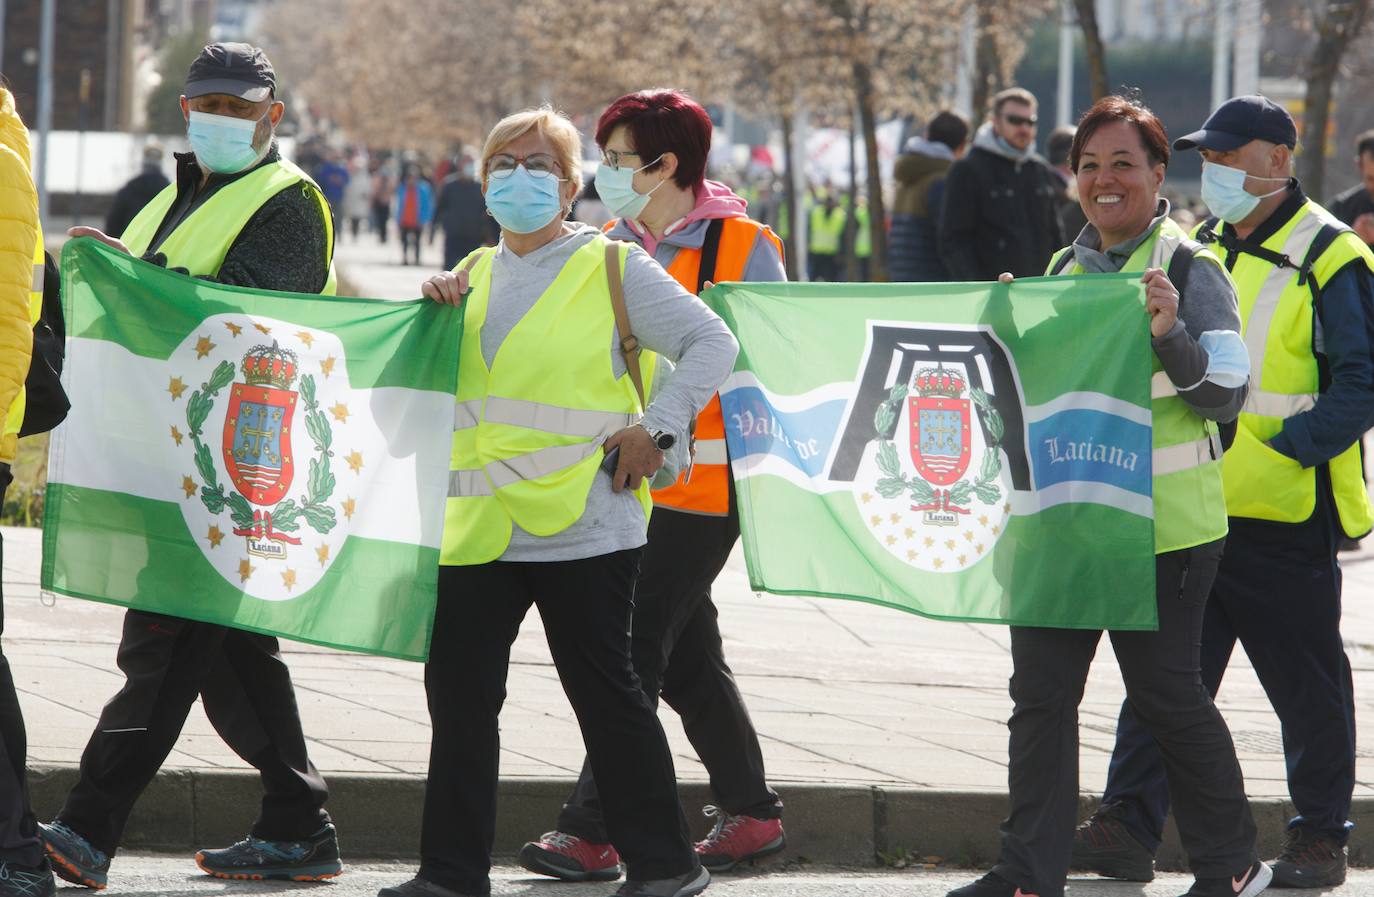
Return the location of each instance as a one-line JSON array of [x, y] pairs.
[[570, 858], [739, 839]]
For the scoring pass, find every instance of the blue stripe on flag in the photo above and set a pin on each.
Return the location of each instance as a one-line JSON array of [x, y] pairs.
[[1091, 446], [802, 438]]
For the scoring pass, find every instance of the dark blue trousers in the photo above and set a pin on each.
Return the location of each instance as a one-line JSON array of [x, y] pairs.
[[1277, 592]]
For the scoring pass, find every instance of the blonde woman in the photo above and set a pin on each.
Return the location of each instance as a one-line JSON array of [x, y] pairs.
[[553, 451]]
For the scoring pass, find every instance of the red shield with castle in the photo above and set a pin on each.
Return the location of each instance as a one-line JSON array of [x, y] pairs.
[[940, 419], [257, 429]]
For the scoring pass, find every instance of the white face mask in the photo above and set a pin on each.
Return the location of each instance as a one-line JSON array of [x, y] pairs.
[[615, 186], [1223, 190]]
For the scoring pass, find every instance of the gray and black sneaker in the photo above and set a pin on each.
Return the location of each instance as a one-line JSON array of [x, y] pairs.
[[26, 881], [419, 887], [73, 858], [693, 882], [1309, 860], [253, 859], [1104, 845]]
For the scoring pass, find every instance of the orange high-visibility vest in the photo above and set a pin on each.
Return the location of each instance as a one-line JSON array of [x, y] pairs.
[[709, 491]]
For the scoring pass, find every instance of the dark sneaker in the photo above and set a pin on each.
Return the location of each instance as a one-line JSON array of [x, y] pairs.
[[418, 887], [693, 882], [990, 885], [73, 858], [739, 839], [1309, 860], [26, 881], [1104, 845], [253, 859], [571, 858], [1248, 883]]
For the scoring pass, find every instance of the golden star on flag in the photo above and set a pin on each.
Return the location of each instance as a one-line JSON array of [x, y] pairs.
[[978, 548], [939, 563], [963, 559], [875, 520], [896, 518], [288, 579], [340, 412], [203, 346], [176, 388], [355, 461], [188, 485], [176, 434], [982, 520], [215, 537], [327, 366], [911, 554], [349, 506], [909, 532], [323, 554], [866, 497], [1006, 508], [929, 541], [949, 543], [245, 570], [996, 530], [968, 535], [306, 337], [262, 328], [234, 329], [891, 540]]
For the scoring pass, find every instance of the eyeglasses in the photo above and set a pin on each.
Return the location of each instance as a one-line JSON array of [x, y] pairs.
[[1021, 121], [539, 165], [613, 157]]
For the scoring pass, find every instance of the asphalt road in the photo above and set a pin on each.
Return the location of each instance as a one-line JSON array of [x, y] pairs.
[[154, 876]]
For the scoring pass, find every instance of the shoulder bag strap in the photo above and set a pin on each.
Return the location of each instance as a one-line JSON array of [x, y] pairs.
[[629, 345], [710, 247]]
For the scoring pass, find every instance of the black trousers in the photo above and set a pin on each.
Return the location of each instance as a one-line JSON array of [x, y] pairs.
[[410, 238], [1279, 593], [19, 841], [1164, 687], [586, 607], [381, 216], [247, 694], [676, 649]]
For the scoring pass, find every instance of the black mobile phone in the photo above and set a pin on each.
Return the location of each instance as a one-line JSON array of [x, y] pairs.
[[612, 458]]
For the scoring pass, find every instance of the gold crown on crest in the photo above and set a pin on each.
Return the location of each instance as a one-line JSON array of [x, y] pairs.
[[270, 366], [937, 381]]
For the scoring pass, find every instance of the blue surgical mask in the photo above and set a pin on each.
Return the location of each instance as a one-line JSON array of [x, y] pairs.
[[1223, 189], [616, 188], [224, 144], [522, 203]]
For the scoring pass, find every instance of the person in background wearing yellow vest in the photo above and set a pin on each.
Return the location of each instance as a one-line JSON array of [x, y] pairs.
[[553, 451], [238, 214], [654, 146], [24, 869], [825, 234], [1119, 157], [1293, 491]]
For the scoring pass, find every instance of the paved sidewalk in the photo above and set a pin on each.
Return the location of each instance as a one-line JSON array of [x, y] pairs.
[[881, 730]]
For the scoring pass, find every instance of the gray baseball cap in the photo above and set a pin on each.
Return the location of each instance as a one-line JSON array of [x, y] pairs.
[[239, 70]]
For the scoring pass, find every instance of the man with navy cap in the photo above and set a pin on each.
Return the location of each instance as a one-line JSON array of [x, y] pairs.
[[1293, 492], [238, 214]]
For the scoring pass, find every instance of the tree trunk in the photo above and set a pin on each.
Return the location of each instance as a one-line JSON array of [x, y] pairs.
[[986, 71], [1340, 25], [877, 208], [789, 198], [851, 229], [1092, 43]]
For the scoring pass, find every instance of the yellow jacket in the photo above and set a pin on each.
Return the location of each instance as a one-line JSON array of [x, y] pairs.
[[18, 243]]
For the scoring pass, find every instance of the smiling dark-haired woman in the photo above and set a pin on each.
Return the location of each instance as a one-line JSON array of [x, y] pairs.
[[1201, 370]]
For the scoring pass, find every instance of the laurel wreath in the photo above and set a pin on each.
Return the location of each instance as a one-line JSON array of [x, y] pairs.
[[894, 482], [286, 515]]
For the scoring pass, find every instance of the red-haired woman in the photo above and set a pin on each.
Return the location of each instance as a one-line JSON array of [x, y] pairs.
[[1201, 371], [654, 145]]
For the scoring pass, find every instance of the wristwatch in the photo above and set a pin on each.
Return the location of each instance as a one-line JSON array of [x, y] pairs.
[[663, 440]]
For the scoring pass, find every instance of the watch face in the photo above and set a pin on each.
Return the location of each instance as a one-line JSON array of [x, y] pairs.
[[664, 441]]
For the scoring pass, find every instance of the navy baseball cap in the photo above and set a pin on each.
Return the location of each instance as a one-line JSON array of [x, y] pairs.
[[1240, 120], [239, 70]]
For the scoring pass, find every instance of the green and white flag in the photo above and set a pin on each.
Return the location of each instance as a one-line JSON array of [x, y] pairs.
[[974, 452], [271, 461]]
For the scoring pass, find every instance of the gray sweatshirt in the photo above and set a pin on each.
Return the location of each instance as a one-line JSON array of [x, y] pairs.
[[666, 319]]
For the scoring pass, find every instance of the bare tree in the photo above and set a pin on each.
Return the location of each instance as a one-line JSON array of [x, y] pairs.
[[1093, 47], [1340, 23]]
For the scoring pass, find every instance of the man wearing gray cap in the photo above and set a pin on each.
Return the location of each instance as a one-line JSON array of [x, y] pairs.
[[1293, 490], [238, 214]]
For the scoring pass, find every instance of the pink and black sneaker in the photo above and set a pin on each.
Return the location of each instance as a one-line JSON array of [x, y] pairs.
[[570, 858], [739, 839]]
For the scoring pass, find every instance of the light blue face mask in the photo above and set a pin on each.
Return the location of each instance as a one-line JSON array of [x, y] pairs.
[[616, 188], [522, 203], [1223, 190], [224, 144]]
